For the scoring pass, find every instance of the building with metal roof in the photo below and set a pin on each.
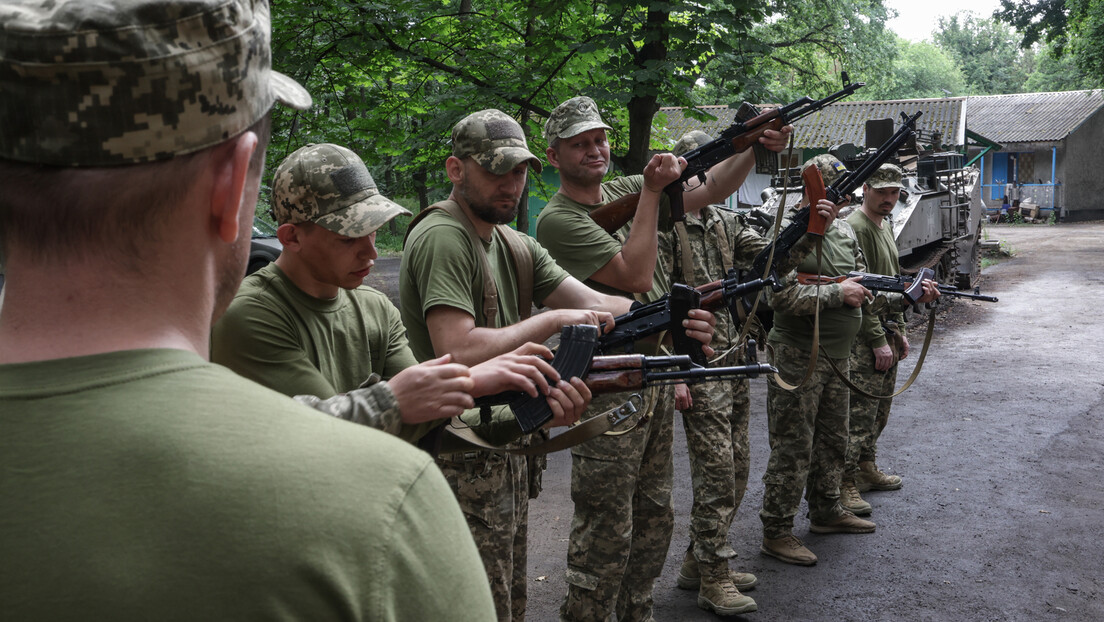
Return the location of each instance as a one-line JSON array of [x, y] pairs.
[[1037, 147]]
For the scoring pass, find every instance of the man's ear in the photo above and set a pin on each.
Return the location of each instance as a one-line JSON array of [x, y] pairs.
[[553, 157], [288, 234], [231, 177], [454, 167]]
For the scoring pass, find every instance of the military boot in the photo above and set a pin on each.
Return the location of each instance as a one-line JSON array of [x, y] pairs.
[[689, 577], [788, 549], [851, 501], [719, 594], [845, 523], [870, 478]]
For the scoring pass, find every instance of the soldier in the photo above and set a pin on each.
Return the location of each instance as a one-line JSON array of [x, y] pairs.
[[307, 326], [621, 484], [700, 250], [139, 480], [444, 306], [874, 361], [808, 425]]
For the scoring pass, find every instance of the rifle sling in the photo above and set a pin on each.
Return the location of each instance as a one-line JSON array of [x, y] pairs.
[[816, 333], [912, 377], [579, 433]]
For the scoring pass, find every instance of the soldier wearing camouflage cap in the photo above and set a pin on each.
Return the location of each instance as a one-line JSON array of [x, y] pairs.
[[715, 415], [809, 424], [444, 293], [874, 359], [618, 545], [160, 485]]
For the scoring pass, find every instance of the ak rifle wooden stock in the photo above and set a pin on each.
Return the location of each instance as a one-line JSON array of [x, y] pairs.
[[736, 139]]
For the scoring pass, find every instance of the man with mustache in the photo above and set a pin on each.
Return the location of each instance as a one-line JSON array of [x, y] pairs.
[[443, 285], [620, 483], [874, 360]]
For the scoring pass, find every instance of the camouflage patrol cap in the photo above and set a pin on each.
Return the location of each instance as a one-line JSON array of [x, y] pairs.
[[330, 186], [691, 141], [830, 167], [494, 140], [887, 176], [127, 81], [573, 117]]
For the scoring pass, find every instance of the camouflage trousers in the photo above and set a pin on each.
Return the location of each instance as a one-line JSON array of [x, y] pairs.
[[808, 440], [493, 491], [868, 417], [621, 487], [717, 441]]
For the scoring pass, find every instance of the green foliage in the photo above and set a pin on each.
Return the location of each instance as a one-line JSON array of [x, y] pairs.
[[1070, 27], [920, 70], [986, 51], [800, 49], [1057, 73]]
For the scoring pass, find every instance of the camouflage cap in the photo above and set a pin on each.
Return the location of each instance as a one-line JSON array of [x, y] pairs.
[[494, 140], [330, 186], [573, 117], [691, 141], [126, 81], [887, 176], [830, 167]]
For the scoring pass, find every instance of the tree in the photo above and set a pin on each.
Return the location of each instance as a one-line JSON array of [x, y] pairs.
[[920, 70], [1057, 73], [1073, 27], [986, 51], [800, 49]]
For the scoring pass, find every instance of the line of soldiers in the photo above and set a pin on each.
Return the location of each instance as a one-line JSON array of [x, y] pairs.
[[141, 480]]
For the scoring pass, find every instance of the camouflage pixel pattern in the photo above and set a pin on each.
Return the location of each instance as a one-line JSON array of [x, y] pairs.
[[373, 406], [493, 491], [830, 167], [330, 186], [868, 417], [494, 140], [128, 81], [691, 141], [621, 528], [808, 440], [573, 117], [887, 176]]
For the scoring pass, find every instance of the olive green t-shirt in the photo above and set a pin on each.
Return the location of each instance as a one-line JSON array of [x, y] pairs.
[[582, 247], [880, 252], [153, 485], [440, 267], [278, 335]]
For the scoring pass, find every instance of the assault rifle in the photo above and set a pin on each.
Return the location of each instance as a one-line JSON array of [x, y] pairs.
[[736, 139], [667, 313], [912, 288], [840, 188], [610, 374]]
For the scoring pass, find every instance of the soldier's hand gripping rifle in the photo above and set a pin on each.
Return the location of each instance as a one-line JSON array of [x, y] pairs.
[[911, 287], [667, 314], [734, 140], [845, 185], [610, 374]]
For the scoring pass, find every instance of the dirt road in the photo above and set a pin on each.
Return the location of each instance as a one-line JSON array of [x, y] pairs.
[[1001, 446]]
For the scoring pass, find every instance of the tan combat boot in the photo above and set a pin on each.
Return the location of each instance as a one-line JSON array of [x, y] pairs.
[[846, 523], [870, 478], [851, 501], [719, 594], [788, 549], [689, 577]]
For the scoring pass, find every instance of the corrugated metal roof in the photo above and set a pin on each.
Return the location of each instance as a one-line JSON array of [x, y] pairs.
[[842, 122], [1032, 117], [1019, 118]]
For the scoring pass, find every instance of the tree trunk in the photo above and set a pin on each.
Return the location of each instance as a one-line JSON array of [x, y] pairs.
[[644, 103]]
